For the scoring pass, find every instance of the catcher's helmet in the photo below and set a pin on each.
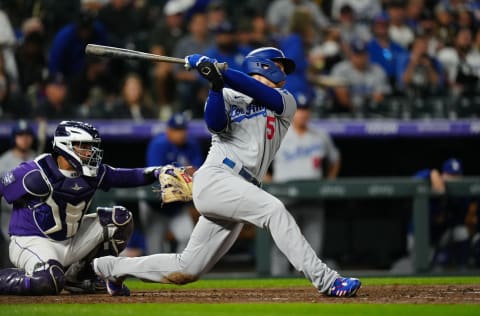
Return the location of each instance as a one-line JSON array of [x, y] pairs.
[[70, 133], [261, 61]]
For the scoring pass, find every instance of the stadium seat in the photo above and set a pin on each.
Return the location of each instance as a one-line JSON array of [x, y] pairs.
[[467, 107]]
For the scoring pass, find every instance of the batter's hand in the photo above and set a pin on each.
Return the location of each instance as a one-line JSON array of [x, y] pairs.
[[192, 61]]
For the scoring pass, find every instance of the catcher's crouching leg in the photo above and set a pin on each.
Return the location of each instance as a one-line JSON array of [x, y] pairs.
[[117, 223], [47, 279]]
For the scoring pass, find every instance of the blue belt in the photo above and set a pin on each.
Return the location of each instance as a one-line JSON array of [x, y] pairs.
[[243, 172]]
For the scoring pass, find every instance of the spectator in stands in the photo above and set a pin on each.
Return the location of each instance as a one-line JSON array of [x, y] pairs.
[[296, 46], [93, 91], [173, 146], [279, 13], [363, 83], [31, 57], [226, 48], [349, 26], [13, 104], [7, 47], [413, 13], [22, 140], [163, 40], [398, 30], [420, 74], [67, 52], [305, 154], [55, 106], [324, 55], [428, 27], [134, 103], [120, 19], [260, 35], [445, 24], [462, 64], [382, 50], [364, 10], [216, 14], [190, 89]]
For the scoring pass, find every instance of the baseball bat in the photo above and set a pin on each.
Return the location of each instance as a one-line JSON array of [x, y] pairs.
[[117, 52]]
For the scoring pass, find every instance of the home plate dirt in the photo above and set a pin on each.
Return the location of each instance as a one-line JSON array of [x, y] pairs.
[[390, 294]]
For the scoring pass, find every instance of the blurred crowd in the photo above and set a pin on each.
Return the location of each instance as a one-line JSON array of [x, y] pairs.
[[355, 58]]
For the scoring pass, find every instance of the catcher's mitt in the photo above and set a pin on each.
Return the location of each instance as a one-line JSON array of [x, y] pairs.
[[175, 184]]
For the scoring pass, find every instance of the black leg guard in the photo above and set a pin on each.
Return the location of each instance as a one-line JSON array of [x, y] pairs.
[[47, 279]]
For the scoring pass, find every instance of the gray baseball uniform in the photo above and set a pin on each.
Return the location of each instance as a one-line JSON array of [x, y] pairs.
[[225, 200], [301, 157]]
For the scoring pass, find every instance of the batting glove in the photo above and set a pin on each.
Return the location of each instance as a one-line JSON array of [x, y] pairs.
[[192, 61]]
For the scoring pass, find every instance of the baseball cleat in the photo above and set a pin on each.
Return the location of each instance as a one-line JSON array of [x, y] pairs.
[[114, 287], [344, 287], [117, 288]]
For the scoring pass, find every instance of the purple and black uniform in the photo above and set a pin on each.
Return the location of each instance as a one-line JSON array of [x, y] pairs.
[[49, 204], [52, 238]]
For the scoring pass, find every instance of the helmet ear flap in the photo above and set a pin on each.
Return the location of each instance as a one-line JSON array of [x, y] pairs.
[[264, 67]]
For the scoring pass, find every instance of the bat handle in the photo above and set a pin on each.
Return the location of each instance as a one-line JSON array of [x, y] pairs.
[[220, 66]]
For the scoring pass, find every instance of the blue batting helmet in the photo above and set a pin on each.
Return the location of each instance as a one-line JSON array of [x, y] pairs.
[[261, 61]]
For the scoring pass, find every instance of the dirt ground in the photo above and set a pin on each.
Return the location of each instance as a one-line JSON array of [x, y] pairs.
[[391, 294]]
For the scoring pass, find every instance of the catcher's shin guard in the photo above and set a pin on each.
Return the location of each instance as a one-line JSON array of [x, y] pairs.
[[47, 279], [117, 218], [80, 277]]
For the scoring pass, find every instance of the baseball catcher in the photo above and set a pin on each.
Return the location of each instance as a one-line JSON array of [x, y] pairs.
[[52, 238]]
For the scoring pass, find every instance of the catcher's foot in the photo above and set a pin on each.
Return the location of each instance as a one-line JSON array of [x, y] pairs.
[[344, 287], [114, 286], [88, 286]]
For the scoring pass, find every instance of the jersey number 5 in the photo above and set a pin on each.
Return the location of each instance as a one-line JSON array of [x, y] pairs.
[[270, 126]]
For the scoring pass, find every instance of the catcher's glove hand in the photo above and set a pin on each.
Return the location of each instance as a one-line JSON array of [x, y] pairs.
[[175, 184]]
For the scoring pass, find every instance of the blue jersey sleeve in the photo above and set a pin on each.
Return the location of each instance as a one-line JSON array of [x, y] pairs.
[[215, 113], [261, 93]]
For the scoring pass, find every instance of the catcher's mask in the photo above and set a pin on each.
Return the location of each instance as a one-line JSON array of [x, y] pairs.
[[261, 61], [79, 143]]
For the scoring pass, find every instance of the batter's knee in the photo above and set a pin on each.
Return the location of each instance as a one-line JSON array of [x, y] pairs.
[[274, 209], [180, 278]]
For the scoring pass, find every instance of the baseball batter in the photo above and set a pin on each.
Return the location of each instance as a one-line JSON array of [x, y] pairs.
[[248, 121], [52, 241]]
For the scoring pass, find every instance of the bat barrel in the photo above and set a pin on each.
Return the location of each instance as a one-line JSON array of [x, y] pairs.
[[117, 52]]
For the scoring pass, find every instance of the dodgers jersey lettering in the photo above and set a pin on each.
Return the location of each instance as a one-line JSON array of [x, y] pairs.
[[254, 133]]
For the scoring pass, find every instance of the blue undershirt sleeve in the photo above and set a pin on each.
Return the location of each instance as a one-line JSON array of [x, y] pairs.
[[215, 114], [261, 93]]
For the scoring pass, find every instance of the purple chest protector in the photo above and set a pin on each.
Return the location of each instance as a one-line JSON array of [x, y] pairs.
[[54, 205]]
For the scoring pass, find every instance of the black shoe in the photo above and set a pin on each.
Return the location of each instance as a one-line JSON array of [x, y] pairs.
[[88, 286]]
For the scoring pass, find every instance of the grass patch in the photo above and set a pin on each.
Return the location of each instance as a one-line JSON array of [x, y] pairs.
[[239, 309]]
